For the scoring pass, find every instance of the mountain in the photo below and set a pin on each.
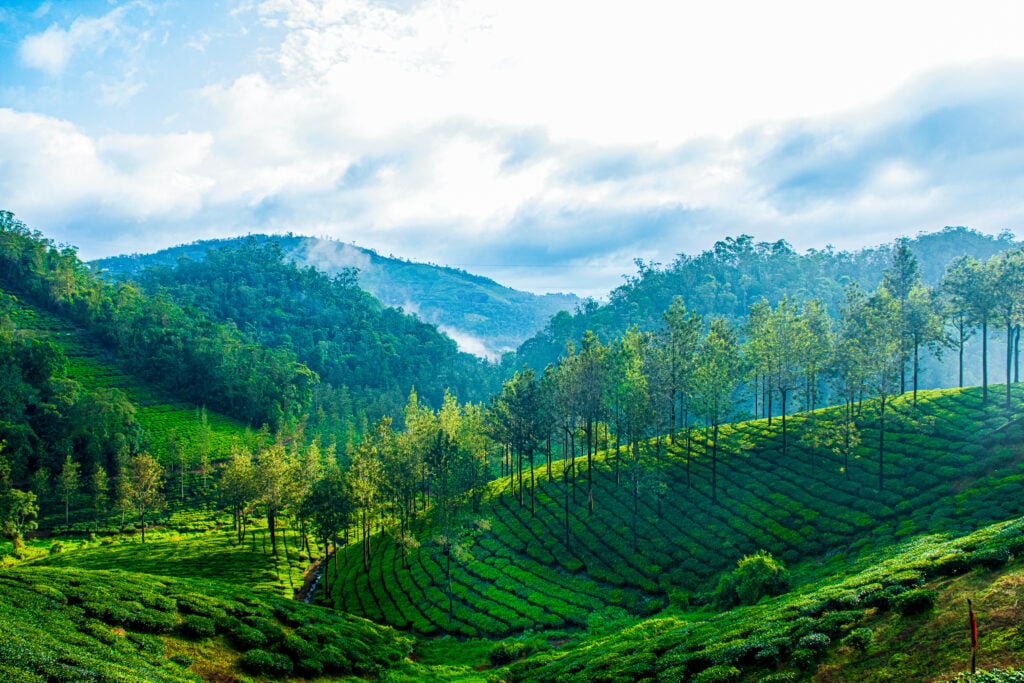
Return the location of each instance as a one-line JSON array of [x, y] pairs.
[[482, 316]]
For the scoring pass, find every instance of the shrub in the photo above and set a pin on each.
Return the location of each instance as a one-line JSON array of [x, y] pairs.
[[246, 637], [57, 548], [990, 558], [803, 659], [718, 674], [859, 638], [182, 660], [266, 663], [915, 601], [755, 576], [814, 641], [198, 627], [779, 677]]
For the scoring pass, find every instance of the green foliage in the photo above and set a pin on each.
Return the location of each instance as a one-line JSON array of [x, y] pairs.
[[859, 638], [755, 576], [267, 663], [719, 673], [915, 601]]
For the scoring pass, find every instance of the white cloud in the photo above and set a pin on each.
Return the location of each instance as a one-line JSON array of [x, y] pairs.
[[51, 50], [52, 170]]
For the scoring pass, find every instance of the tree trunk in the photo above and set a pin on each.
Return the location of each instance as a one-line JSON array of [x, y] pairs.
[[1016, 353], [984, 362], [448, 572], [960, 326], [327, 566], [881, 443], [590, 466], [657, 460], [549, 459], [565, 499], [917, 345], [636, 489], [272, 528], [533, 486], [783, 394], [142, 522], [714, 465], [1009, 359]]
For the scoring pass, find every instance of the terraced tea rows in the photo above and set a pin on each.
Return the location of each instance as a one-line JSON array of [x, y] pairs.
[[944, 460]]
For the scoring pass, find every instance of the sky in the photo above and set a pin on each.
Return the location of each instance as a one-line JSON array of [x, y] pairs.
[[547, 144]]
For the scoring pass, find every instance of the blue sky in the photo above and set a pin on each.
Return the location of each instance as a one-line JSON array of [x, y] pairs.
[[546, 144]]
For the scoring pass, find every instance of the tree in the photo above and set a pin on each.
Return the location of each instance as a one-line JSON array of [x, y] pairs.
[[145, 477], [922, 323], [881, 340], [18, 513], [202, 444], [901, 277], [99, 486], [971, 291], [781, 343], [274, 486], [718, 370], [238, 489], [328, 506], [363, 478], [591, 378], [681, 339], [850, 367], [1006, 272], [634, 399], [68, 483]]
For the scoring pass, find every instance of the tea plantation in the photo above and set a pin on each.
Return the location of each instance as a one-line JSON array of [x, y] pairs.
[[951, 464]]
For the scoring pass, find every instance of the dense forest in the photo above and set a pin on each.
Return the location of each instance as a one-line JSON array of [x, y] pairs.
[[366, 355]]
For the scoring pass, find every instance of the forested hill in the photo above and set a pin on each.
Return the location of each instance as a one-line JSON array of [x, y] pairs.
[[368, 356], [737, 272], [483, 316]]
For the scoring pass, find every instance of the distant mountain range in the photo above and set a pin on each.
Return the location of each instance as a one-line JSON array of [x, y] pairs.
[[484, 317]]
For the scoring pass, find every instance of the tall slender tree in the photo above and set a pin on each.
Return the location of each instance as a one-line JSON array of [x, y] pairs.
[[1006, 273], [970, 288], [719, 364]]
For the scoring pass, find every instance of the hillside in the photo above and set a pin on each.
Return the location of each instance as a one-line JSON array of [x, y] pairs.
[[951, 465], [482, 316]]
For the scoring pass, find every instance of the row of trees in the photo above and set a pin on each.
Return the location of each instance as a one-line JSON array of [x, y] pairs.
[[136, 490]]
